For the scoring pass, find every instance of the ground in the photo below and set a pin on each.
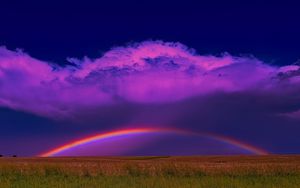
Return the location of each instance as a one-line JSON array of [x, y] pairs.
[[152, 171]]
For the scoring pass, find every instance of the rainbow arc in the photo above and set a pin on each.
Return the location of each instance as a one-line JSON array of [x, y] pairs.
[[112, 134]]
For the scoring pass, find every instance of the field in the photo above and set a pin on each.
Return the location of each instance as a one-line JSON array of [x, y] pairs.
[[154, 172]]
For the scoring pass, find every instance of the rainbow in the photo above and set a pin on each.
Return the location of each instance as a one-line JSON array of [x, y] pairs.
[[235, 142], [103, 136]]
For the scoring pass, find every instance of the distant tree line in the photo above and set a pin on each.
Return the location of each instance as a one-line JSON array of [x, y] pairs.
[[8, 156]]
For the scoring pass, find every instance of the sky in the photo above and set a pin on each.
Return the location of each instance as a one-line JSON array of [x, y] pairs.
[[149, 78]]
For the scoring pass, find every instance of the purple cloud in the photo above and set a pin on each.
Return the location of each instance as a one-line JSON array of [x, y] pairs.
[[147, 72]]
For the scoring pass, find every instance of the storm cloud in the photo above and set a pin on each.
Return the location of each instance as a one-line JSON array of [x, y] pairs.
[[150, 72]]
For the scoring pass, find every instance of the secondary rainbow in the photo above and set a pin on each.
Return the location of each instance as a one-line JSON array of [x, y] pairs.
[[124, 132]]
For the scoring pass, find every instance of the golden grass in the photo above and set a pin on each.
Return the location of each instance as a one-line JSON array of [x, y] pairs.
[[155, 166], [272, 171]]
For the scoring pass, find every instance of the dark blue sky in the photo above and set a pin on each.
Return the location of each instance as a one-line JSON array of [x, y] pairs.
[[55, 30]]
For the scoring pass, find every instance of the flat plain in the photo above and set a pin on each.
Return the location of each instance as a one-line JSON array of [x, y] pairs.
[[272, 171]]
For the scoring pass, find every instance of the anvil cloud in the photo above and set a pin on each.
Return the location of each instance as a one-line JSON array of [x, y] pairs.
[[147, 72]]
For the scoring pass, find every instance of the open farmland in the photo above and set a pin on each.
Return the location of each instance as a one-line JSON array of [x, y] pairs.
[[158, 171]]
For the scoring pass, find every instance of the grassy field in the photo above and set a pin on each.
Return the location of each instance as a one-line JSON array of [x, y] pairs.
[[153, 172]]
